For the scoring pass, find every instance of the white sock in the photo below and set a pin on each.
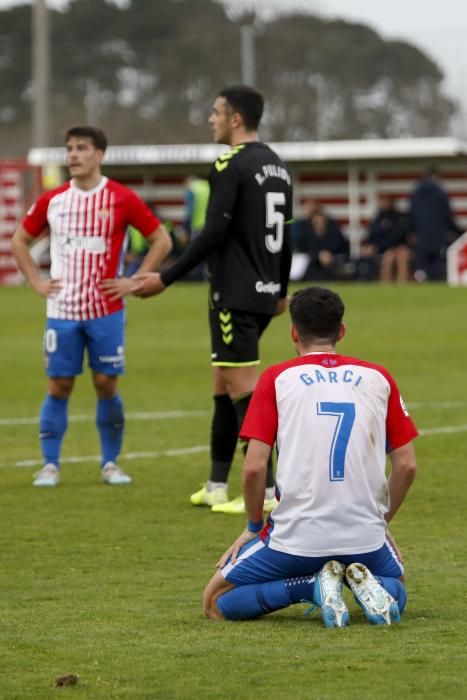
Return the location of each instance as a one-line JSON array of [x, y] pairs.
[[213, 485]]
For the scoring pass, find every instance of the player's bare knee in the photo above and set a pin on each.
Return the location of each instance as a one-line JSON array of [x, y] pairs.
[[60, 387], [105, 385], [210, 610]]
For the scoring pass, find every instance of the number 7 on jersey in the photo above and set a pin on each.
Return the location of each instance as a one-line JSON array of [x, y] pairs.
[[345, 414]]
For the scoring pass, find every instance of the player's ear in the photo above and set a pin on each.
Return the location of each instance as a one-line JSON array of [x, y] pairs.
[[342, 331], [294, 335], [236, 119]]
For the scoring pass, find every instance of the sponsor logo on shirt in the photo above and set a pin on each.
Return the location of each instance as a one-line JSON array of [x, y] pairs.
[[91, 244], [267, 287]]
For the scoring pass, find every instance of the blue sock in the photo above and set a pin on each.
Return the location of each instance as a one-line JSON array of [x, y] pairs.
[[248, 602], [395, 588], [53, 422], [110, 422]]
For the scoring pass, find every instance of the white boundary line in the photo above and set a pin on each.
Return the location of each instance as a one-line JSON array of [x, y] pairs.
[[195, 449], [444, 429], [128, 456], [167, 415], [158, 415]]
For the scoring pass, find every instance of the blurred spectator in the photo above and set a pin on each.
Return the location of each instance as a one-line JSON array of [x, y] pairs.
[[196, 203], [386, 251], [319, 237], [433, 225], [137, 249]]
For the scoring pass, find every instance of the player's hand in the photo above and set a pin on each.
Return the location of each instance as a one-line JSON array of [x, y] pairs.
[[232, 552], [281, 306], [147, 284], [46, 288], [118, 287], [393, 544]]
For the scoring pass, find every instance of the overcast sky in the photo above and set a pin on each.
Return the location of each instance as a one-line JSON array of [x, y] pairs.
[[439, 28]]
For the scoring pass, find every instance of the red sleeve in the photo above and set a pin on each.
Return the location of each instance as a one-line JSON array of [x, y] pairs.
[[261, 418], [400, 428], [140, 216], [35, 220]]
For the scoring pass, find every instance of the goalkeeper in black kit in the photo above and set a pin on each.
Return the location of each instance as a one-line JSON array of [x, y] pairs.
[[246, 242]]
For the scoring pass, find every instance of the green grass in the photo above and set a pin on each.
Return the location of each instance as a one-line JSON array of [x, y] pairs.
[[106, 583]]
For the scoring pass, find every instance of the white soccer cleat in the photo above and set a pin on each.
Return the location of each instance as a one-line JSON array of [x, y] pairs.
[[379, 606], [113, 475], [49, 475], [328, 594]]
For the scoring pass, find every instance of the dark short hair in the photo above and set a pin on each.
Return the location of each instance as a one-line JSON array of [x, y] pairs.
[[317, 314], [96, 135], [246, 101]]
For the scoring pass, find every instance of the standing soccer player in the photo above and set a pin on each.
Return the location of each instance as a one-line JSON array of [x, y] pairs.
[[87, 218], [334, 418], [247, 245]]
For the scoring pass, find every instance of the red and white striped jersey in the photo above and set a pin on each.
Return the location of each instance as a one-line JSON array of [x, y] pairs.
[[87, 235], [333, 419]]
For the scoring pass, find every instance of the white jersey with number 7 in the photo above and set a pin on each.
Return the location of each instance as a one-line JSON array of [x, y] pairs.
[[333, 419]]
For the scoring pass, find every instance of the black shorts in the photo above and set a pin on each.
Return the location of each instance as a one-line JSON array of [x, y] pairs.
[[235, 337]]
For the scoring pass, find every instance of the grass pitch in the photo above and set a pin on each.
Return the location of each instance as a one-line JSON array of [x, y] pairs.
[[106, 582]]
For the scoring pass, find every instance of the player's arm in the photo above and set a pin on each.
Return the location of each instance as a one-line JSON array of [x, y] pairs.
[[286, 263], [260, 429], [221, 201], [403, 471], [209, 239], [161, 245], [254, 484], [20, 248]]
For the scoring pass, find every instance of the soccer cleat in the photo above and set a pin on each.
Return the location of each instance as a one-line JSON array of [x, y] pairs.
[[49, 475], [328, 594], [270, 504], [237, 505], [203, 497], [113, 475], [379, 606]]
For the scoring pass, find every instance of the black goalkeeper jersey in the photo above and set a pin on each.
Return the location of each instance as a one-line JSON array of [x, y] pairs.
[[246, 239]]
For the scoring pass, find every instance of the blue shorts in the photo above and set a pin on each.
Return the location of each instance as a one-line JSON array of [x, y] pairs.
[[104, 339], [258, 563]]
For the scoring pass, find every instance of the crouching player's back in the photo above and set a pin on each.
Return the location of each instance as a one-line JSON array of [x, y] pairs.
[[334, 419]]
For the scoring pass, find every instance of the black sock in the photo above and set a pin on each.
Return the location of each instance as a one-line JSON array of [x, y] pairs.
[[241, 407], [224, 432]]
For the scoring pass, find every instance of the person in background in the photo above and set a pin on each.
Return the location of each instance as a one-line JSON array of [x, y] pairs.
[[320, 237], [87, 217], [433, 225], [387, 245], [196, 202]]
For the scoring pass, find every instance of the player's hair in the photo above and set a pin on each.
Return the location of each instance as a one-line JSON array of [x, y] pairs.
[[317, 314], [96, 135], [246, 101]]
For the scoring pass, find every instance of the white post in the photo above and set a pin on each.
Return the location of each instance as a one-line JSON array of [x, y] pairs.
[[40, 74], [355, 232]]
